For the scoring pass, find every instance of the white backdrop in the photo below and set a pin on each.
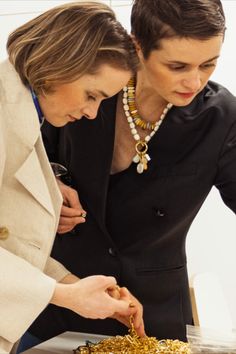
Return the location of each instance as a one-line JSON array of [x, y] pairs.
[[211, 243]]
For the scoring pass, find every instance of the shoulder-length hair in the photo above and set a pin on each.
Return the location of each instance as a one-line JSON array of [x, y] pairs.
[[68, 41]]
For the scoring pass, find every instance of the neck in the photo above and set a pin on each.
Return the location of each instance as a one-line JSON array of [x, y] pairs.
[[149, 103]]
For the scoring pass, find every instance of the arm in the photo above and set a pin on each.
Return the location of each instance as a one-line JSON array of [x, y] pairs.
[[90, 298], [25, 292], [226, 174], [72, 212], [135, 308]]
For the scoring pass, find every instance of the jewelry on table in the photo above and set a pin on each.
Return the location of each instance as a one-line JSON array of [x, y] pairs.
[[133, 344], [141, 158]]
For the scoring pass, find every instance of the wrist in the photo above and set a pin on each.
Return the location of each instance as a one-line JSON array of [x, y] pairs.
[[69, 279], [58, 297]]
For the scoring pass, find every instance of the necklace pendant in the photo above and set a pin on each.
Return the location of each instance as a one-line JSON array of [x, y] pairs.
[[140, 168], [148, 158], [144, 162], [136, 158], [135, 120]]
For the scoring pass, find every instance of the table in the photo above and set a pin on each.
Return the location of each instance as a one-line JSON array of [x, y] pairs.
[[64, 343]]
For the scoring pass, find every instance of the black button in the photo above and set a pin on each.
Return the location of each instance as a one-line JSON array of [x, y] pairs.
[[160, 212], [112, 252]]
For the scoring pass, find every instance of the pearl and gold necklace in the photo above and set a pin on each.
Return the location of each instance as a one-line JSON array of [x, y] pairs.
[[141, 147]]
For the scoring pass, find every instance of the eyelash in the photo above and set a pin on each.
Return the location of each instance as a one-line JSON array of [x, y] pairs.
[[91, 98], [178, 68]]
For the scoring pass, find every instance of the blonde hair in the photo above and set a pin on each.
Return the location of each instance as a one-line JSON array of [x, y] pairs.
[[68, 41]]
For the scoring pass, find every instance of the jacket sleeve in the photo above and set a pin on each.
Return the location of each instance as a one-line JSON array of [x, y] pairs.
[[226, 175], [2, 147], [55, 270], [25, 292]]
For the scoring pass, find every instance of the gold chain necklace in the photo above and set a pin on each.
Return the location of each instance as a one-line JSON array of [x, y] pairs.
[[133, 344], [141, 147]]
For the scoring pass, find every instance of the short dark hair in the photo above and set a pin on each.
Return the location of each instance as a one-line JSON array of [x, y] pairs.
[[154, 20]]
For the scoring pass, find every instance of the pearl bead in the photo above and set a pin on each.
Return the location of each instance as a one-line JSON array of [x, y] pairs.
[[147, 138], [134, 119], [132, 125]]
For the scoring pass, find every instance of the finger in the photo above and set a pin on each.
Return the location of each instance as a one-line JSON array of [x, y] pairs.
[[63, 230], [72, 199], [101, 282], [125, 294], [136, 310], [114, 292], [140, 330], [72, 212], [121, 307], [73, 221]]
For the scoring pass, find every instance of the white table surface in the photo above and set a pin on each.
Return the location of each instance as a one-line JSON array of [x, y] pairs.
[[64, 343]]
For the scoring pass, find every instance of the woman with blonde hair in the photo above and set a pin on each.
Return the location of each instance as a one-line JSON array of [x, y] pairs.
[[61, 65], [163, 142]]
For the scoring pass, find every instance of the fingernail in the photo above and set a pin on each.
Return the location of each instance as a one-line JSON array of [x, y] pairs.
[[131, 304]]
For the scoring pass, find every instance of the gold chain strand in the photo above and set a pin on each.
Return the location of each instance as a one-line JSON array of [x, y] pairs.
[[133, 344]]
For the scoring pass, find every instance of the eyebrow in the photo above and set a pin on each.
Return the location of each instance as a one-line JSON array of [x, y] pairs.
[[183, 63]]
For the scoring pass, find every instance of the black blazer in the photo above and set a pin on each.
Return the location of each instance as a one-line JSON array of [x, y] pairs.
[[136, 228]]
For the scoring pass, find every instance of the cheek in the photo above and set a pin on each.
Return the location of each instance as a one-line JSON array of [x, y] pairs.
[[75, 104], [208, 75]]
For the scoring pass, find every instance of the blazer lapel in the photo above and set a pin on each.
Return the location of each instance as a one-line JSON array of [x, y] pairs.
[[92, 179], [30, 175], [99, 164]]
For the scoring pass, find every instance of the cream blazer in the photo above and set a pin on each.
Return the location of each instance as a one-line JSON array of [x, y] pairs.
[[30, 204]]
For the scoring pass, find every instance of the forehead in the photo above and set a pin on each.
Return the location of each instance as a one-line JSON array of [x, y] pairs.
[[188, 50]]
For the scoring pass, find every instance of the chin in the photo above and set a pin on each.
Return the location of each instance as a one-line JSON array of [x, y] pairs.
[[183, 102]]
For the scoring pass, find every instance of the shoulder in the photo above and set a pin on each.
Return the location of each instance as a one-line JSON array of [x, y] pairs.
[[11, 88], [217, 95], [219, 100], [17, 111], [214, 102]]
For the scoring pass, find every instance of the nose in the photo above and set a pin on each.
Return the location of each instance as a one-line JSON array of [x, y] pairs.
[[90, 112], [193, 81]]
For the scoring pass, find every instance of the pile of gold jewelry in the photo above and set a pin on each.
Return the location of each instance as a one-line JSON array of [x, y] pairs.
[[133, 344]]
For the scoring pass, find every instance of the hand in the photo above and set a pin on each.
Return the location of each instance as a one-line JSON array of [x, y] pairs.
[[89, 297], [135, 307], [71, 211]]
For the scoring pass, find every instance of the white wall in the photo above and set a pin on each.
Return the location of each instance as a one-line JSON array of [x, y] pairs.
[[211, 243]]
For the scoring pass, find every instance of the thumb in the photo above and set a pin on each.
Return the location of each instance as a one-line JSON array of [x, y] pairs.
[[121, 307]]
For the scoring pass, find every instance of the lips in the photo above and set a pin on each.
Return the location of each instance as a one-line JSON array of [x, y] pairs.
[[186, 94]]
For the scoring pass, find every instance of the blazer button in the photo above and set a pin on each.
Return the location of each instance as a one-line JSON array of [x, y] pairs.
[[112, 252], [4, 233], [160, 212]]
